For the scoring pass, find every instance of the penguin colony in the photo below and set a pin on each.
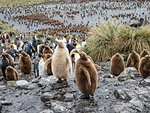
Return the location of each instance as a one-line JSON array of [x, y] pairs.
[[60, 58]]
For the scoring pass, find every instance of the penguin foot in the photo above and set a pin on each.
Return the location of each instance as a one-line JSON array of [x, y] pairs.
[[85, 97], [59, 80], [92, 95], [65, 82]]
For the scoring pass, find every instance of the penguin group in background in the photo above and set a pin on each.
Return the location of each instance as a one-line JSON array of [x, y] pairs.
[[11, 74], [144, 53], [61, 62], [85, 75], [25, 63], [5, 64], [133, 60], [70, 47], [144, 66], [117, 64]]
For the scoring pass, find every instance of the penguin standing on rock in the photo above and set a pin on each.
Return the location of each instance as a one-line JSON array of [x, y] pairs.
[[133, 60], [25, 63], [86, 75], [117, 64], [5, 63], [144, 66], [11, 74], [61, 62]]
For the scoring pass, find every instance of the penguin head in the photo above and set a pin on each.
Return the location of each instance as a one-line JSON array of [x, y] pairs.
[[83, 56], [3, 56], [61, 44], [9, 68], [25, 41], [24, 53]]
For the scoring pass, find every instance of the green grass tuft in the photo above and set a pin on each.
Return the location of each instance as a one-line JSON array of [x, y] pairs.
[[110, 38]]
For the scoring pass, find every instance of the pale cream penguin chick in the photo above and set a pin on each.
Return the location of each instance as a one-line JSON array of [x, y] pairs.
[[61, 62]]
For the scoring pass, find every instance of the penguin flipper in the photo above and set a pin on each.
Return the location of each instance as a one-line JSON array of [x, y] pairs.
[[87, 75]]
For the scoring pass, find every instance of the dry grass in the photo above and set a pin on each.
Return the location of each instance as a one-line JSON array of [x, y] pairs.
[[6, 29], [110, 38]]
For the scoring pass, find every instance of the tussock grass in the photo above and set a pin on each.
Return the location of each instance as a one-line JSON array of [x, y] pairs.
[[6, 29], [110, 38]]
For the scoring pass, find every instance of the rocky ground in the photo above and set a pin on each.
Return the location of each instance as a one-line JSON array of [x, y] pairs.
[[127, 93]]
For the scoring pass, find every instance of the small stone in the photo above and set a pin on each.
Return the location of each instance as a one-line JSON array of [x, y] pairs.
[[5, 102], [46, 97], [11, 83], [35, 80], [60, 109], [47, 104], [119, 94], [22, 83], [0, 107], [69, 97], [47, 111]]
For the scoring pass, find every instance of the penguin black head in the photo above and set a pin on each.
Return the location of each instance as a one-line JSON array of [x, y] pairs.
[[3, 56]]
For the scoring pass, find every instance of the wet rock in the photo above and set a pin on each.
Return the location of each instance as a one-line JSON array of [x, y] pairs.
[[11, 83], [137, 103], [128, 73], [0, 107], [119, 94], [47, 104], [36, 80], [145, 82], [106, 59], [5, 102], [22, 83], [1, 87], [46, 97], [47, 111], [69, 97], [58, 107], [43, 82]]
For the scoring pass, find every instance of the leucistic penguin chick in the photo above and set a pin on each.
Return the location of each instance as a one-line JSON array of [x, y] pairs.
[[41, 67], [85, 75], [61, 62], [117, 64]]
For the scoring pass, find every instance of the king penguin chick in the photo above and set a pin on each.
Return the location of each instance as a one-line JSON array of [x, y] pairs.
[[10, 58], [61, 62], [47, 50], [25, 63], [144, 53], [85, 75], [47, 56], [117, 64], [41, 67], [133, 60], [144, 66], [48, 67], [11, 74], [5, 63]]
